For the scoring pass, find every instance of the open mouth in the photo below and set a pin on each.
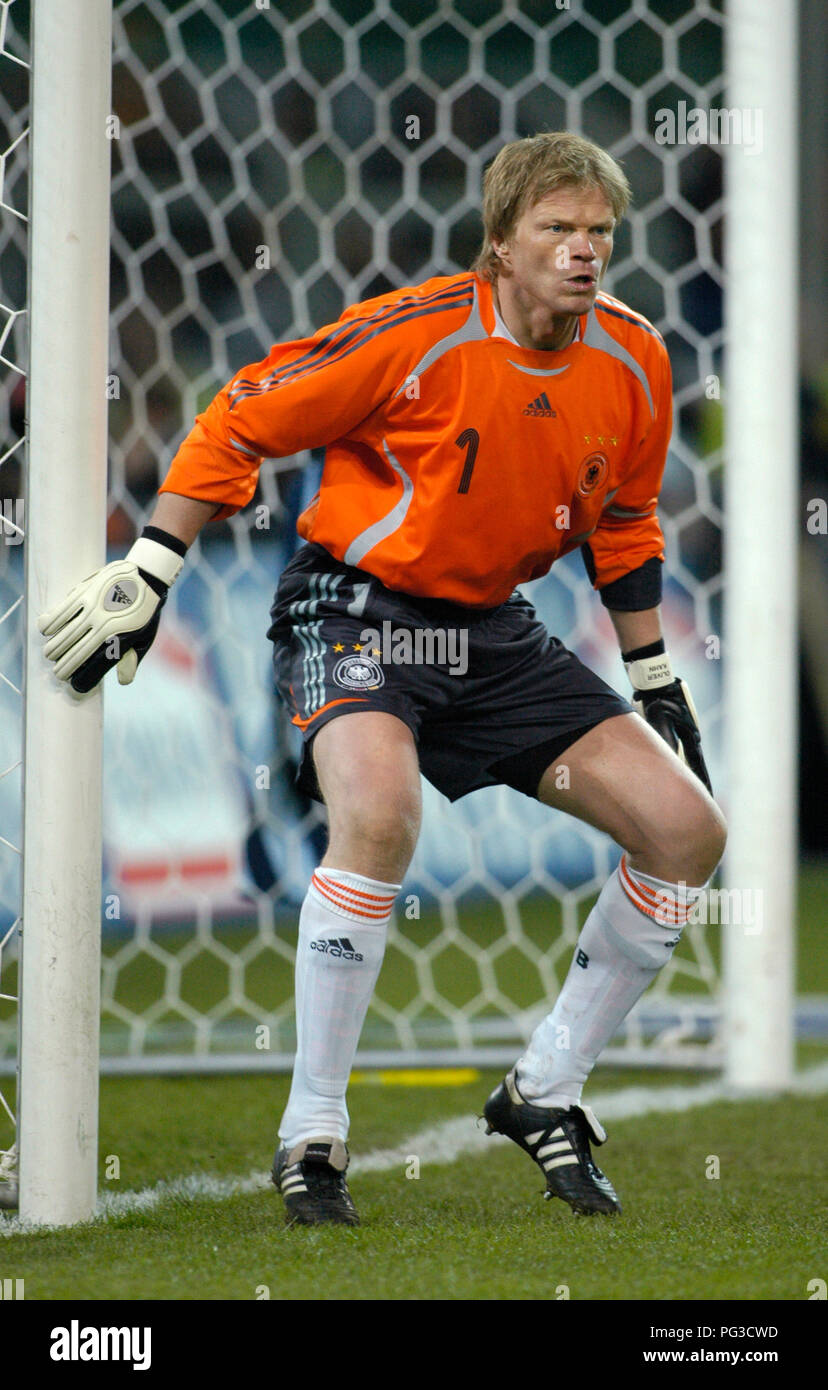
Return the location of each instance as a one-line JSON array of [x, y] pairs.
[[581, 282]]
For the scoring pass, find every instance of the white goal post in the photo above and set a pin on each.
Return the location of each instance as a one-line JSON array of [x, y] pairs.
[[761, 479], [66, 507]]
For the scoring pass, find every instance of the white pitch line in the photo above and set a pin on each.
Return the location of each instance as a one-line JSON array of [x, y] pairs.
[[447, 1141], [437, 1144]]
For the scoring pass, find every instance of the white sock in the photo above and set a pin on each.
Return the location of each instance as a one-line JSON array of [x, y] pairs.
[[342, 931], [628, 936]]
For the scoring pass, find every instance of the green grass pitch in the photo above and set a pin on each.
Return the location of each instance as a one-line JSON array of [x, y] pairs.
[[474, 1229]]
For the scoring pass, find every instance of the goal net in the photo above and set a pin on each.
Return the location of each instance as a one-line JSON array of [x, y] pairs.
[[271, 164]]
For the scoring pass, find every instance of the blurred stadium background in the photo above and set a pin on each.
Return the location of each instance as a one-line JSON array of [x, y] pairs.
[[271, 164]]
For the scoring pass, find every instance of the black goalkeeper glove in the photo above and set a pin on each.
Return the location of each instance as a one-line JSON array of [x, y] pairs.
[[111, 618], [667, 705]]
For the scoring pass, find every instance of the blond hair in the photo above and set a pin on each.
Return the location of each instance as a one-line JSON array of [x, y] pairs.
[[524, 171]]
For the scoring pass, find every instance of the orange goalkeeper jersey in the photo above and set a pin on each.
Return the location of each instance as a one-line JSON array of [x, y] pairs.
[[457, 463]]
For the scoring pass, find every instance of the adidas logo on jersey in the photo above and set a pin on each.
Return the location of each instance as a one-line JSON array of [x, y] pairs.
[[341, 948], [540, 406]]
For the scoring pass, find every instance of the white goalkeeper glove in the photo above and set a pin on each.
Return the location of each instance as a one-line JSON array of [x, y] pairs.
[[111, 618], [666, 704]]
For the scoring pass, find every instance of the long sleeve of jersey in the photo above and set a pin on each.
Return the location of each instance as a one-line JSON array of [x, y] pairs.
[[307, 394]]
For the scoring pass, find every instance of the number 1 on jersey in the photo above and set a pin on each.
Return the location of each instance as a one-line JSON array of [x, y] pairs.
[[469, 441]]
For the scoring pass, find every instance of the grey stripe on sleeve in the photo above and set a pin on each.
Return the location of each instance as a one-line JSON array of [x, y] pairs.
[[242, 450], [626, 514]]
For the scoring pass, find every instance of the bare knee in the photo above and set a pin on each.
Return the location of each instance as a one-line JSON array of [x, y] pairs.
[[705, 836], [374, 829], [369, 775], [687, 837]]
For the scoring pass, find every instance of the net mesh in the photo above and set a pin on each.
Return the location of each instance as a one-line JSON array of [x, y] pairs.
[[271, 164]]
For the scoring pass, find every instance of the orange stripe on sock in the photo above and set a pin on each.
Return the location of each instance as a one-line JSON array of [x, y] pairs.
[[355, 892], [360, 909], [369, 914], [658, 914], [651, 894], [660, 909]]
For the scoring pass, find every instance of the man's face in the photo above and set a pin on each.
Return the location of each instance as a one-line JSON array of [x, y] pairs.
[[559, 249]]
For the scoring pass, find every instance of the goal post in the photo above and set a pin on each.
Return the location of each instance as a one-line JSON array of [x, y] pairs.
[[66, 511], [761, 542]]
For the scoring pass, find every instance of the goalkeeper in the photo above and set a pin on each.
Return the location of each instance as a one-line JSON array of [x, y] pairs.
[[476, 428]]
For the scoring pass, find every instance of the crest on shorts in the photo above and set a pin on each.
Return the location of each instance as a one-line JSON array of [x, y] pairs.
[[592, 473], [358, 673]]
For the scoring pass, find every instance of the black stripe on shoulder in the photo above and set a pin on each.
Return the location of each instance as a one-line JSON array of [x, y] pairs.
[[446, 298], [344, 346], [463, 285], [628, 318]]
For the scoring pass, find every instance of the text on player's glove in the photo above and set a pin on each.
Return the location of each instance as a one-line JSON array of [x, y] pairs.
[[111, 618], [667, 705]]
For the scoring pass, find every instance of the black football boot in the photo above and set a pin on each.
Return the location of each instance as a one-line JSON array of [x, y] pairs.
[[558, 1141], [311, 1179]]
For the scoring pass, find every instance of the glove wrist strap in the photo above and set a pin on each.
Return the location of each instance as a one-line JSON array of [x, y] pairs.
[[158, 554], [649, 672]]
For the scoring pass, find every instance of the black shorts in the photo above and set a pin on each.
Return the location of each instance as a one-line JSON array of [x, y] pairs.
[[488, 694]]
